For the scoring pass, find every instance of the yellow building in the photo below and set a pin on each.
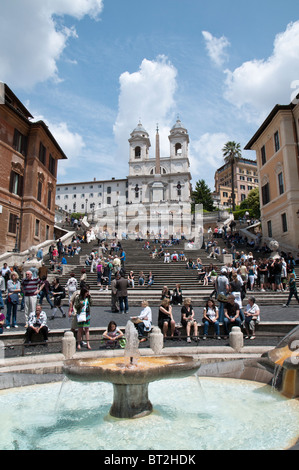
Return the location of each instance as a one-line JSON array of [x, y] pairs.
[[245, 179], [276, 146]]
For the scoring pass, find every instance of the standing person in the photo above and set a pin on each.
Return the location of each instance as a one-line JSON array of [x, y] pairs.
[[58, 294], [82, 304], [37, 322], [114, 297], [45, 291], [252, 316], [292, 290], [222, 287], [29, 288], [123, 258], [210, 317], [2, 290], [143, 321], [165, 318], [71, 285], [231, 314], [5, 273], [188, 320], [99, 270], [122, 285], [13, 290]]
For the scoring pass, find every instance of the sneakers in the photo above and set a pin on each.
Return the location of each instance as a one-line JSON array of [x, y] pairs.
[[285, 305], [188, 339], [204, 337]]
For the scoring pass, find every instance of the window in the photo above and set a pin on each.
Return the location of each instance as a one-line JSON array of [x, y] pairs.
[[49, 199], [52, 165], [243, 197], [178, 149], [47, 232], [249, 188], [108, 200], [280, 183], [266, 193], [226, 194], [242, 187], [16, 183], [276, 141], [284, 222], [109, 190], [39, 191], [137, 152], [42, 153], [263, 154], [37, 223], [242, 178], [12, 227], [269, 227], [20, 142]]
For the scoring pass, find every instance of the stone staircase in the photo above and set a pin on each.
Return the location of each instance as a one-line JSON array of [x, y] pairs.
[[139, 259]]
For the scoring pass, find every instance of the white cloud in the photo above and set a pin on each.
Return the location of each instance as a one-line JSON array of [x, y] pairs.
[[258, 85], [216, 48], [36, 38], [206, 156], [146, 95]]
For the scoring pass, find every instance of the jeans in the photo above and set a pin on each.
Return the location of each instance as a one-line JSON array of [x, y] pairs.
[[11, 308], [123, 304], [1, 300], [206, 327], [221, 311], [291, 294], [227, 324], [42, 295]]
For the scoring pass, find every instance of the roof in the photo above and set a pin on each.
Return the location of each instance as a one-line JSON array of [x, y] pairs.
[[268, 120]]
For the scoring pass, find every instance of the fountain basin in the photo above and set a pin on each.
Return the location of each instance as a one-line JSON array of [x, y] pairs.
[[130, 380]]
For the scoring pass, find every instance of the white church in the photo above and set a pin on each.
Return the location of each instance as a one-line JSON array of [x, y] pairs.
[[154, 183]]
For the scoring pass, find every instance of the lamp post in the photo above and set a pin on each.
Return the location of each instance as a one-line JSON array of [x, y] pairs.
[[92, 208], [86, 201]]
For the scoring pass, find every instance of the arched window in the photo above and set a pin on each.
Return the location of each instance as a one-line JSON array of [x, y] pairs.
[[137, 152], [178, 149]]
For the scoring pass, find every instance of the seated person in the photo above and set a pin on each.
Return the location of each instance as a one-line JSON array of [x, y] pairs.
[[252, 316], [112, 335], [187, 319], [165, 318], [231, 314], [143, 321], [210, 317], [177, 295], [37, 323]]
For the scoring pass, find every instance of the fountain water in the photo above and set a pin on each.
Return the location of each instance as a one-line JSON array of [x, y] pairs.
[[130, 377]]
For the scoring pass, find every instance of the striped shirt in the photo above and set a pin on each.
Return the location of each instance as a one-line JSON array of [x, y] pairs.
[[29, 287]]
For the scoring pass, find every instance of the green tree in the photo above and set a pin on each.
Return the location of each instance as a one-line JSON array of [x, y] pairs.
[[252, 202], [203, 195], [232, 154]]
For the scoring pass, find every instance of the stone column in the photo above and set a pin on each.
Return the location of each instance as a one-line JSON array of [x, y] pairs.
[[156, 340], [236, 339], [68, 344]]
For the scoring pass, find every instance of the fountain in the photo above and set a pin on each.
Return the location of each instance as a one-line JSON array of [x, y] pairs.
[[285, 360], [130, 377]]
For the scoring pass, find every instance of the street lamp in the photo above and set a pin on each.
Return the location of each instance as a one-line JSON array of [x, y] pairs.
[[86, 201]]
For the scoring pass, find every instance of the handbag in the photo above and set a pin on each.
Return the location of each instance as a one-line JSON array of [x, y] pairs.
[[221, 298], [81, 317]]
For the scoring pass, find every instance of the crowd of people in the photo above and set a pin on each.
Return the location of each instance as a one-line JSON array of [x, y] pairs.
[[243, 276]]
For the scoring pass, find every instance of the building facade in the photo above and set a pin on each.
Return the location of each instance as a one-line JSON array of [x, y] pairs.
[[29, 159], [245, 179], [276, 146], [151, 180]]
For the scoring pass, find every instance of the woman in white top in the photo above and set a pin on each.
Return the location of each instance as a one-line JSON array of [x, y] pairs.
[[252, 316], [210, 317], [143, 321]]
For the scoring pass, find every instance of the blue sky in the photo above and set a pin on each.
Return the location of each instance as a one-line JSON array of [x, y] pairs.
[[92, 68]]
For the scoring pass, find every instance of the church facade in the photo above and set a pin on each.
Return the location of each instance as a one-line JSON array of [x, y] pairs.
[[150, 182]]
